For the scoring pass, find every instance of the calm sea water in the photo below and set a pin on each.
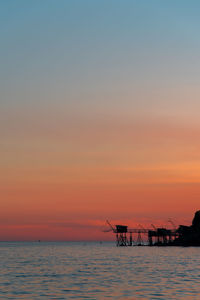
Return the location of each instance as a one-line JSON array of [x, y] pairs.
[[97, 271]]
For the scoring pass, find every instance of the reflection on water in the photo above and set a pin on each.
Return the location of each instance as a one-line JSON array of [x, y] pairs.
[[97, 271]]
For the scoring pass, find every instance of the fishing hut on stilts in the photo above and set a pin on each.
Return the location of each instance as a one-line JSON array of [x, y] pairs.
[[141, 236]]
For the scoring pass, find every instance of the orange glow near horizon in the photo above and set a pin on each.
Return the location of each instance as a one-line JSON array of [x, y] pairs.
[[143, 176], [49, 202]]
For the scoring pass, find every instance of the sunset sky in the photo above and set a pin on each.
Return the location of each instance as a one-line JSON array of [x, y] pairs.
[[99, 116]]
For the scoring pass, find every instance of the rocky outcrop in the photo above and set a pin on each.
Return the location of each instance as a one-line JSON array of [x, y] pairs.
[[189, 235]]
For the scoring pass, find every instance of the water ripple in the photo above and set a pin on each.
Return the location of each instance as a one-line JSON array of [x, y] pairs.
[[70, 271]]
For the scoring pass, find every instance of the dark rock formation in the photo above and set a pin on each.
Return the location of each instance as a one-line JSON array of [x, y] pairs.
[[196, 220], [189, 235]]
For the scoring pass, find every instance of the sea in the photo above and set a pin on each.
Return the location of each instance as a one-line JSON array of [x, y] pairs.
[[94, 270]]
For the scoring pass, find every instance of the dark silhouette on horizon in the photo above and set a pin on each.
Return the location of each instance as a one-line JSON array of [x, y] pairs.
[[181, 236]]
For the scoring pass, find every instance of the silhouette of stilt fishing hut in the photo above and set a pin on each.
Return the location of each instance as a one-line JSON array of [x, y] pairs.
[[160, 236]]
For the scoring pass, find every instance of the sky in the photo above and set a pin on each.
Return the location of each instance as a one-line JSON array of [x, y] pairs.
[[99, 116]]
